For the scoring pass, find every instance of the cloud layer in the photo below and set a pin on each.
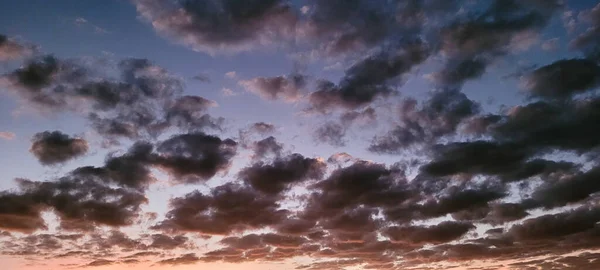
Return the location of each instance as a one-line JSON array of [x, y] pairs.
[[452, 181]]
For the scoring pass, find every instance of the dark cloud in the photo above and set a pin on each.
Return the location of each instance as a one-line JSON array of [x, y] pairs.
[[189, 158], [189, 113], [570, 189], [351, 224], [80, 204], [453, 200], [55, 147], [115, 239], [296, 226], [361, 183], [258, 130], [436, 199], [140, 100], [194, 157], [20, 212], [161, 241], [479, 125], [341, 158], [345, 27], [505, 212], [100, 262], [349, 25], [286, 88], [262, 128], [226, 209], [113, 127], [456, 72], [202, 77], [530, 169], [141, 254], [494, 214], [493, 30], [254, 241], [495, 231], [439, 116], [144, 100], [436, 234], [476, 157], [472, 42], [563, 79], [265, 147], [189, 258], [545, 125], [129, 170], [588, 41], [510, 162], [334, 132], [363, 117], [370, 78], [282, 173], [330, 133], [213, 26], [556, 225], [12, 50], [36, 80]]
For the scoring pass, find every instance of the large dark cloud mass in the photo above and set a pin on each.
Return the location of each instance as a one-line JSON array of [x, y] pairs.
[[369, 78], [144, 100], [472, 43], [226, 209], [215, 25], [80, 202], [439, 116], [563, 78], [588, 41], [447, 180], [278, 176]]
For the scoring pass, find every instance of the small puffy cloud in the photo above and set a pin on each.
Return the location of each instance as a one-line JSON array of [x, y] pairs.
[[286, 88], [195, 157], [80, 21], [54, 147], [228, 92], [231, 75]]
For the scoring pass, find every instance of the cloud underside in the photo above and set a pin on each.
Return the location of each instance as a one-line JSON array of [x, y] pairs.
[[518, 186]]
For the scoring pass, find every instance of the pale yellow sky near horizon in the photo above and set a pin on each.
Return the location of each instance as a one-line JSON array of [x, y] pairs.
[[12, 263], [8, 263]]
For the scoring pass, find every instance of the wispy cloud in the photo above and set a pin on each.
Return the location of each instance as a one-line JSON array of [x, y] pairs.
[[7, 135]]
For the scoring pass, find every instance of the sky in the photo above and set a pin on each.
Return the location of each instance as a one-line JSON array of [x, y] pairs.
[[300, 134]]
